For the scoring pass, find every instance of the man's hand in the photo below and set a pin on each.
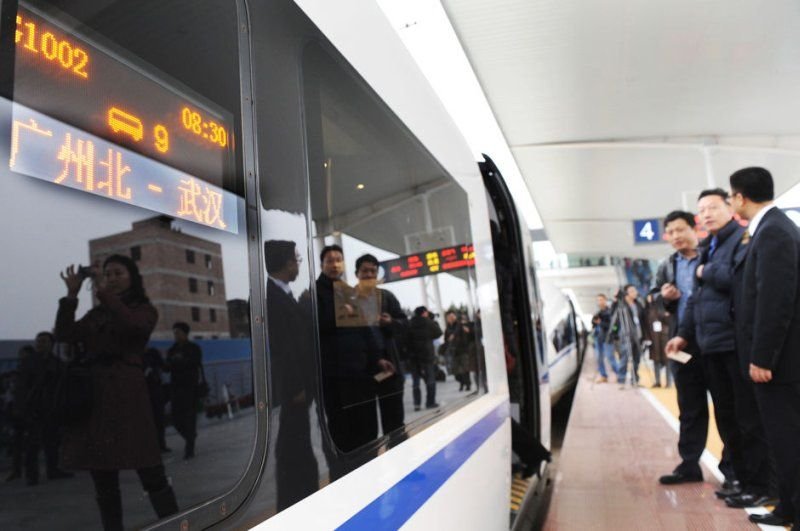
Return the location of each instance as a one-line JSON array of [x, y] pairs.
[[676, 344], [699, 271], [760, 375], [386, 366], [670, 292]]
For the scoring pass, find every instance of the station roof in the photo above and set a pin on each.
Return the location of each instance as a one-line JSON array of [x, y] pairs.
[[623, 110]]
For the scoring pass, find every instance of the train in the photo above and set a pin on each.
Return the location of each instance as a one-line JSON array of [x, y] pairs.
[[249, 157]]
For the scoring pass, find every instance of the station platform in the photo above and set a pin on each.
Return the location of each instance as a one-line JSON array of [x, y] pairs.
[[617, 444]]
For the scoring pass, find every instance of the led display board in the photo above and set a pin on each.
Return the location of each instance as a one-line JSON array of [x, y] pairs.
[[443, 260], [91, 117]]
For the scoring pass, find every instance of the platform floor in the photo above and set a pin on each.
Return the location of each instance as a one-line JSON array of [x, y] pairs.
[[617, 444]]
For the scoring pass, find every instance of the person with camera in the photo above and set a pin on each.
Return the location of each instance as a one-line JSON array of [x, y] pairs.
[[111, 424], [185, 364]]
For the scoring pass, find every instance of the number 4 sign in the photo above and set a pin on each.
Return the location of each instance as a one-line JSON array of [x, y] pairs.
[[646, 231]]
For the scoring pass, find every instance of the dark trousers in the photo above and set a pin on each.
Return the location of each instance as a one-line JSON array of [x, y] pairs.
[[154, 481], [390, 403], [295, 465], [759, 469], [352, 421], [45, 435], [691, 384], [424, 369], [779, 405], [184, 414], [17, 445], [721, 369]]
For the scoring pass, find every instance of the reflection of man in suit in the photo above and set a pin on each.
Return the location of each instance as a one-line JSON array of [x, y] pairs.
[[392, 322], [289, 332], [769, 320]]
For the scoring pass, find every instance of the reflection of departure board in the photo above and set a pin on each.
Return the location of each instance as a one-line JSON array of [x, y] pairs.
[[433, 262], [88, 118]]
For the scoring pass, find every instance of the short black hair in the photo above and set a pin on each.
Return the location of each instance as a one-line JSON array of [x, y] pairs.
[[626, 287], [329, 249], [48, 334], [754, 183], [603, 295], [277, 253], [714, 191], [688, 217], [366, 258], [180, 325]]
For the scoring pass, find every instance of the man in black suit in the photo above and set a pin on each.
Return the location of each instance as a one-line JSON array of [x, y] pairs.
[[769, 322], [289, 332]]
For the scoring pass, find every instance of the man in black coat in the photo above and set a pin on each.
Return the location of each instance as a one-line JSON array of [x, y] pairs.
[[673, 288], [391, 329], [769, 319], [289, 330], [184, 363], [707, 321], [422, 330]]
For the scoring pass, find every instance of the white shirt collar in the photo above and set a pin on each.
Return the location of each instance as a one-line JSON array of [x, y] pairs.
[[757, 219], [281, 284]]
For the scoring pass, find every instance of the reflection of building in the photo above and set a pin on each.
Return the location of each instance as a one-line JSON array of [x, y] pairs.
[[182, 275], [239, 317]]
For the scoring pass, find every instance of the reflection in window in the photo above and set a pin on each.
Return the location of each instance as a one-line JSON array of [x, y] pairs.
[[210, 287], [387, 274], [122, 321]]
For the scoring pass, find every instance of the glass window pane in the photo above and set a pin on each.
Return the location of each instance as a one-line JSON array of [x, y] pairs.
[[121, 163], [395, 293]]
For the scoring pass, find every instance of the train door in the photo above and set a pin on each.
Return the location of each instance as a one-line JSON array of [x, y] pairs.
[[520, 315]]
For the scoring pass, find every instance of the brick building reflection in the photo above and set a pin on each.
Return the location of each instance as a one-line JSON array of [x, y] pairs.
[[183, 275]]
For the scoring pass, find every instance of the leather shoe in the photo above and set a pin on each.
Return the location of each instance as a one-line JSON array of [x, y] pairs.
[[749, 499], [679, 477], [728, 489], [769, 519]]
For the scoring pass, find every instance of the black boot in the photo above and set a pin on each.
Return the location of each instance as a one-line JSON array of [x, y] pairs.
[[188, 450], [164, 502], [111, 511]]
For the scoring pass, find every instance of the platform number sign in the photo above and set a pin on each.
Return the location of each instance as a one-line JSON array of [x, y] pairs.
[[646, 231]]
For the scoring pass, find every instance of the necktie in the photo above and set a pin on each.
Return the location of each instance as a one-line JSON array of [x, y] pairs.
[[712, 249]]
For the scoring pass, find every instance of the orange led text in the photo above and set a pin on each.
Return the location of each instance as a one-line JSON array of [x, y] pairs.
[[38, 40]]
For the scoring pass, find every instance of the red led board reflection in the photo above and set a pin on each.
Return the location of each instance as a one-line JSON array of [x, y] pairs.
[[426, 263], [82, 79]]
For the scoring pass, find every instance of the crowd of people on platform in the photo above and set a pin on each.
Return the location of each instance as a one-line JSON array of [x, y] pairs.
[[725, 310]]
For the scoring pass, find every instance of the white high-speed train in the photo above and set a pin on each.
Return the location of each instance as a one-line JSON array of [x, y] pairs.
[[245, 154]]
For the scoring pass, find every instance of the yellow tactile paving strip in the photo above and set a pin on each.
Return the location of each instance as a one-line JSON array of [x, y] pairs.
[[668, 397]]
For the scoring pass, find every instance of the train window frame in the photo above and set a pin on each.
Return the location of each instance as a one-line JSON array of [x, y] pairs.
[[365, 453], [213, 510]]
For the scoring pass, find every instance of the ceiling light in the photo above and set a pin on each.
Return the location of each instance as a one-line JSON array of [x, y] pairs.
[[360, 186]]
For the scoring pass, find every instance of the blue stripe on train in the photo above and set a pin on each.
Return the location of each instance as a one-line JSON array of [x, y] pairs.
[[395, 506]]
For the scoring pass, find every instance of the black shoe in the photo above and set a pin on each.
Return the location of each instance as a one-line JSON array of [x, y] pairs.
[[769, 519], [728, 489], [416, 408], [431, 406], [749, 499], [679, 477], [60, 474]]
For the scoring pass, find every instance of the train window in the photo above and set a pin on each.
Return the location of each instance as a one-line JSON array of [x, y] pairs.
[[120, 146], [395, 297]]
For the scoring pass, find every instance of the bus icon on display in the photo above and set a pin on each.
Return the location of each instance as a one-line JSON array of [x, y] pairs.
[[646, 231]]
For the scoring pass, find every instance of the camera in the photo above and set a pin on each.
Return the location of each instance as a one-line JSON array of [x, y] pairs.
[[86, 272]]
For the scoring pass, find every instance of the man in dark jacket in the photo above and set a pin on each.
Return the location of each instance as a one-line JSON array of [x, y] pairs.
[[709, 320], [350, 363], [184, 363], [603, 348], [391, 328], [673, 288], [769, 320], [628, 322], [289, 330], [422, 330]]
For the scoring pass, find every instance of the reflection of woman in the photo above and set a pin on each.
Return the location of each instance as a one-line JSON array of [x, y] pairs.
[[119, 432]]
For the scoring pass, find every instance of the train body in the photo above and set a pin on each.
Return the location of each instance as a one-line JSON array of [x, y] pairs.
[[203, 141]]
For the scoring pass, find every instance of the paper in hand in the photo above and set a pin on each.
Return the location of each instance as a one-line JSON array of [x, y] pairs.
[[680, 357]]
